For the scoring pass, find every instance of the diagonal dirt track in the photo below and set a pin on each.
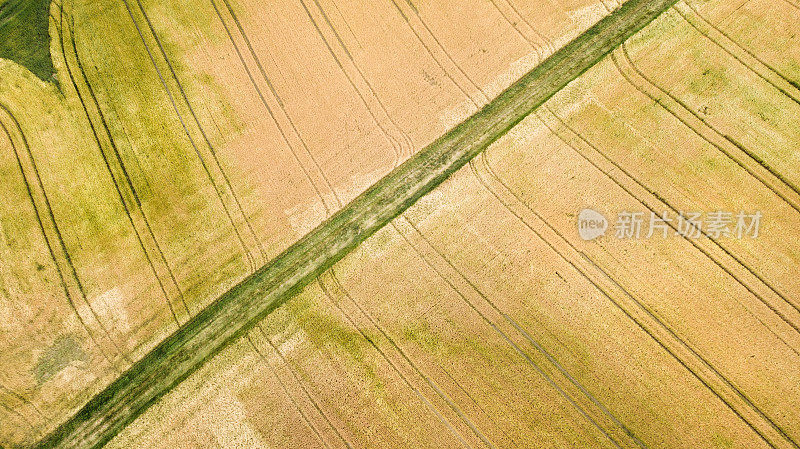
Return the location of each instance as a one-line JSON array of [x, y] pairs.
[[242, 306]]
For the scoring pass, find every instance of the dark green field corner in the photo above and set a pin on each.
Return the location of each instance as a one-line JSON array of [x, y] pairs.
[[25, 36], [241, 307]]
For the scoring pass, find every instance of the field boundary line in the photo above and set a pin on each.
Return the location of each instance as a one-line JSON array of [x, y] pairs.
[[233, 313]]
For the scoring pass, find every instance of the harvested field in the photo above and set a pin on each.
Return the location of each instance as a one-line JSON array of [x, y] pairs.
[[175, 197]]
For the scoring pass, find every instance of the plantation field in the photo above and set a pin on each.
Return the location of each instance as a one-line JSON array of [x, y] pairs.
[[181, 146], [480, 317]]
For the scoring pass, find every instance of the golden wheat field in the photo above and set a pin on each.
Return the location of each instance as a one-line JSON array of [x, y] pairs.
[[400, 223]]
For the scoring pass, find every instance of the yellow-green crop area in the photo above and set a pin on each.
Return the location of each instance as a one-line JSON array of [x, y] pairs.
[[175, 147]]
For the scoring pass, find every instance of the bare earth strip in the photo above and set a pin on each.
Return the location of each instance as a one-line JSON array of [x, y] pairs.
[[235, 311]]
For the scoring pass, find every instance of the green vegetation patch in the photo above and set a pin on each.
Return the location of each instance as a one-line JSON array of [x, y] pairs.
[[25, 35], [60, 355]]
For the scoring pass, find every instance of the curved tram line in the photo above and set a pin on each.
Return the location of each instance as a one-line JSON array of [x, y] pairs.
[[738, 396], [207, 168], [478, 98], [425, 259], [16, 411], [679, 110], [51, 233], [279, 114], [399, 153], [117, 170]]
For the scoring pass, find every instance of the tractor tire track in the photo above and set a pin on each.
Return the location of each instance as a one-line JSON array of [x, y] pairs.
[[317, 410], [249, 336], [26, 403], [265, 360], [117, 170], [302, 385], [206, 166], [540, 44], [697, 125], [743, 157], [354, 74], [647, 320], [327, 184], [19, 416], [655, 202], [788, 88], [430, 41], [506, 438], [241, 307], [399, 156], [506, 326], [624, 434], [766, 426], [21, 403], [285, 389], [306, 172], [57, 248], [334, 291], [404, 366], [478, 97], [217, 164], [285, 120], [793, 4]]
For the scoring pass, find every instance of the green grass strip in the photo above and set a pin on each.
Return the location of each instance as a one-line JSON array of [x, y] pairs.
[[25, 36], [250, 301]]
